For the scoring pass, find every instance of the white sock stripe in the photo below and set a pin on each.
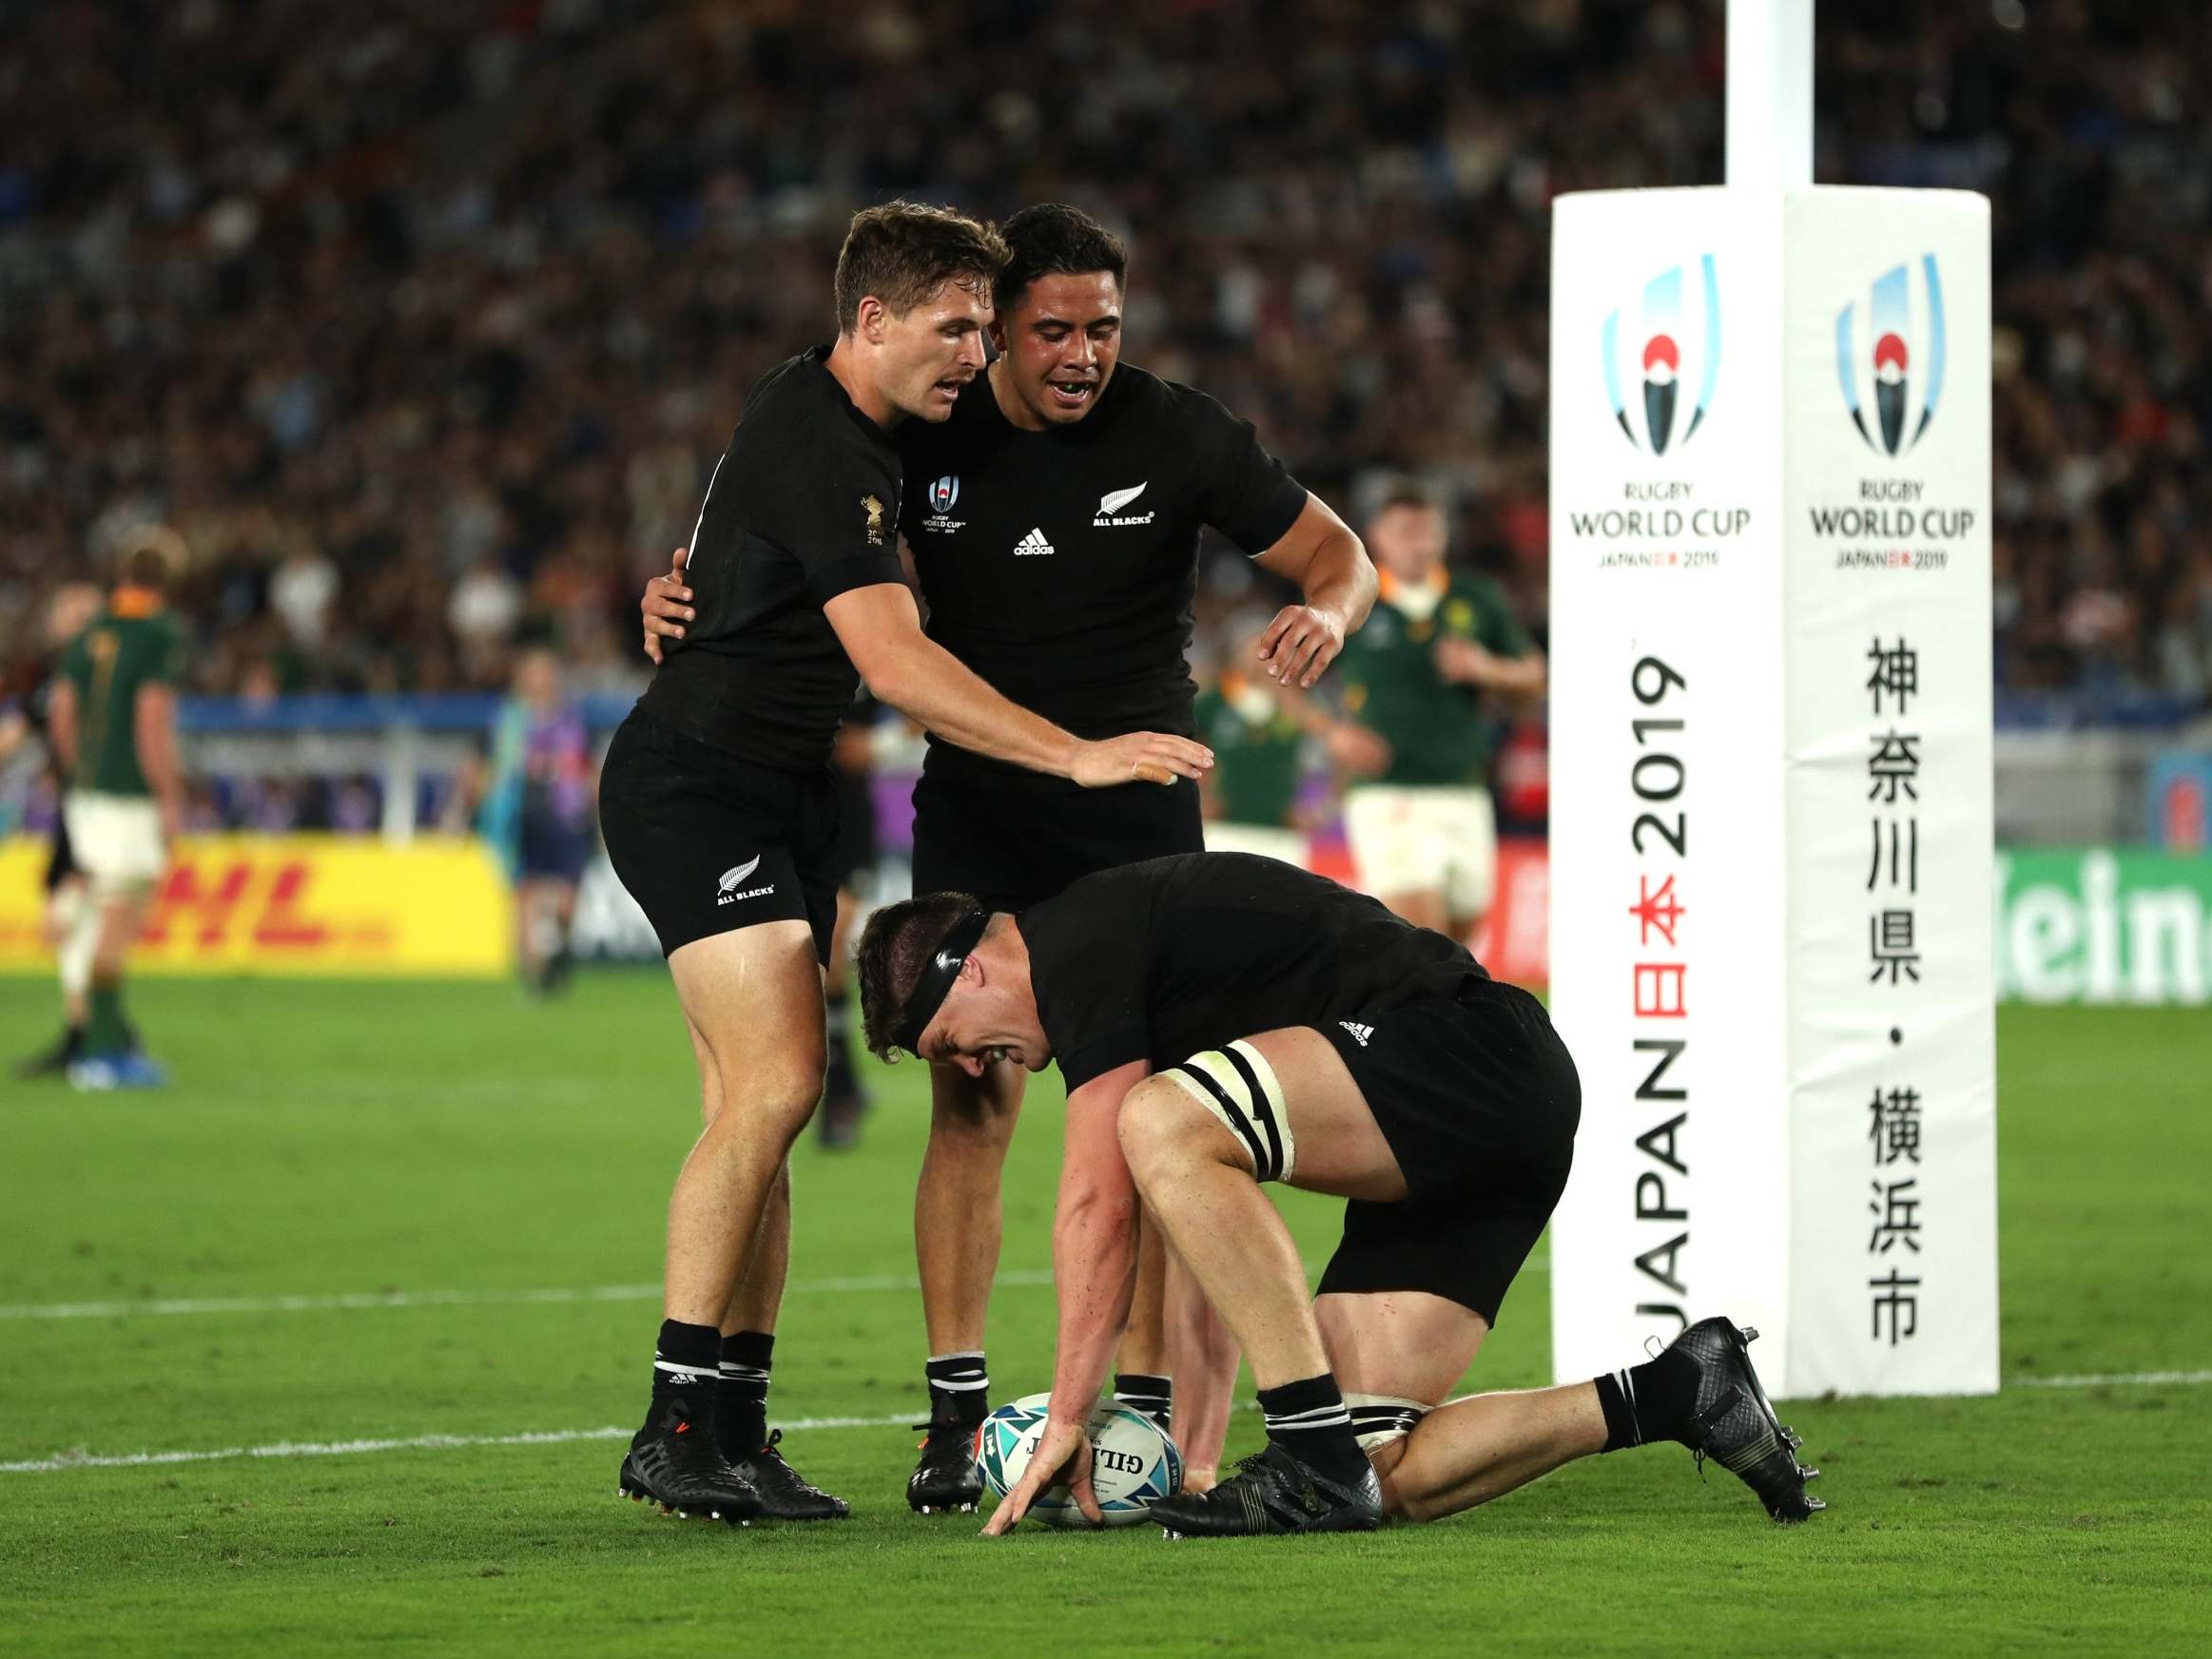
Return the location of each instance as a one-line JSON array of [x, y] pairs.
[[732, 1373], [669, 1366], [976, 1353], [1324, 1417], [960, 1387], [1388, 1414], [1311, 1411]]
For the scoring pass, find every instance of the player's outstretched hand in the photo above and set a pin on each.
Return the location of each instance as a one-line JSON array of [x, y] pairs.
[[1300, 643], [1138, 756], [666, 604], [1062, 1458]]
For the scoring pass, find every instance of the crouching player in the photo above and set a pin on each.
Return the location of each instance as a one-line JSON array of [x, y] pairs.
[[1223, 1021]]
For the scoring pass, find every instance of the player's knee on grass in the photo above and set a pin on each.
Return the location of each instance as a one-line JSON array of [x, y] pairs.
[[1384, 1423]]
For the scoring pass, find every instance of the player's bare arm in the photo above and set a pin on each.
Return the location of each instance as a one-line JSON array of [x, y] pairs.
[[1336, 584], [61, 724], [1463, 661], [1095, 1243], [155, 714], [880, 630]]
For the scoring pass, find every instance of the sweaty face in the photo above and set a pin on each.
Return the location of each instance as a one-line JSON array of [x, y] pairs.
[[934, 350], [1407, 541], [1060, 340]]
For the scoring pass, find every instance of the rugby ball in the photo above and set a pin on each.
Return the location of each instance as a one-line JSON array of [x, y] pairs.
[[1132, 1464]]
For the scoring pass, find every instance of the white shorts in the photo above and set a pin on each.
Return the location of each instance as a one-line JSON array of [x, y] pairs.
[[1266, 840], [1424, 839], [116, 841]]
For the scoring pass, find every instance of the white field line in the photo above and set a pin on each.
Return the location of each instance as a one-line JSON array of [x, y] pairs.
[[2118, 1378], [363, 1301], [67, 1461], [352, 1301]]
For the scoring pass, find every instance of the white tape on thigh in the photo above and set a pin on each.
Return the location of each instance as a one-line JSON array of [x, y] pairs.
[[1238, 1086], [1379, 1418]]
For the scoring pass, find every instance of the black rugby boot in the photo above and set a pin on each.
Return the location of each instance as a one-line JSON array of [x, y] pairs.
[[947, 1480], [1734, 1423], [671, 1461], [786, 1495], [1273, 1492]]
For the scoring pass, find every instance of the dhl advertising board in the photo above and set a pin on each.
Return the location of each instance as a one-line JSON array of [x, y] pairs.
[[296, 904]]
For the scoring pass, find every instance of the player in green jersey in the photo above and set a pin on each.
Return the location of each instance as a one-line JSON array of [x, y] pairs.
[[1423, 833], [114, 731], [1263, 735]]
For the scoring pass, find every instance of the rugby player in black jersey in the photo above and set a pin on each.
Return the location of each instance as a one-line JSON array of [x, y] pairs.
[[1054, 523], [719, 812], [1221, 1021]]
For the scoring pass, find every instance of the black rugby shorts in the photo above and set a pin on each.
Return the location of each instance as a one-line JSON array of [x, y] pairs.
[[1480, 1101], [707, 844], [1015, 838]]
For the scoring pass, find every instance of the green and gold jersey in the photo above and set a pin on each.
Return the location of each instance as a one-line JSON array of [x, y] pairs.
[[1437, 731], [1257, 750], [134, 645]]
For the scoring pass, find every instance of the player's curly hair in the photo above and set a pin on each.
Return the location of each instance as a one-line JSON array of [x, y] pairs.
[[894, 947], [1053, 238], [904, 252]]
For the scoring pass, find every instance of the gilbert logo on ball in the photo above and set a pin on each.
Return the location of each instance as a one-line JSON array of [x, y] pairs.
[[1896, 354], [1667, 348], [1132, 1464]]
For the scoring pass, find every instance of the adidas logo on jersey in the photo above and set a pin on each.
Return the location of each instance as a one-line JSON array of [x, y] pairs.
[[1359, 1033], [1032, 543]]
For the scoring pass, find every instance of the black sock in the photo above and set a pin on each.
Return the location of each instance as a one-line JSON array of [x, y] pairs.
[[960, 1388], [1651, 1401], [1308, 1420], [684, 1364], [741, 1394], [838, 1079], [1143, 1391]]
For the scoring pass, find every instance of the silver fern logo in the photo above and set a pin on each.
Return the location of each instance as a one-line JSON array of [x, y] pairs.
[[1111, 505]]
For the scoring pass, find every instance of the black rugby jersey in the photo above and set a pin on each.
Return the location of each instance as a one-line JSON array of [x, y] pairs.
[[803, 506], [1062, 565], [1165, 959]]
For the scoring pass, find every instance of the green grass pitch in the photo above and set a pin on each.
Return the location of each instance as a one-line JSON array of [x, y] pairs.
[[477, 1184]]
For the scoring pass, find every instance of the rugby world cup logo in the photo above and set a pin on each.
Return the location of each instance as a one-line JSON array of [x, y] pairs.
[[1894, 363], [1672, 343], [944, 493]]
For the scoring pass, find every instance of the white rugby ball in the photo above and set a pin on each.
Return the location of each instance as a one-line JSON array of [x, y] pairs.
[[1132, 1464]]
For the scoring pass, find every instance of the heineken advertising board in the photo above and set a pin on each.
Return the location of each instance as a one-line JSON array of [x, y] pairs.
[[2104, 924]]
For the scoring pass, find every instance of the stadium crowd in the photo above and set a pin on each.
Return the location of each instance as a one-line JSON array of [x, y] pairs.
[[420, 321]]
